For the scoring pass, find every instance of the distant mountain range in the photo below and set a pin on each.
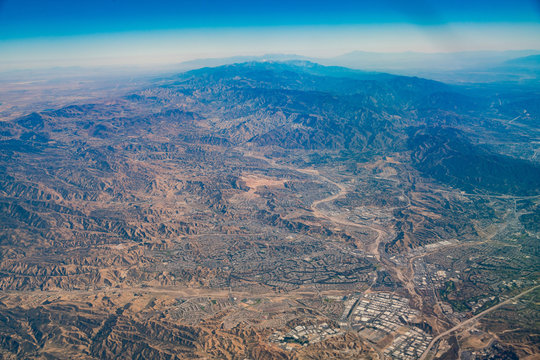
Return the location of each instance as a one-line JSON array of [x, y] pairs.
[[298, 104], [414, 61], [520, 66], [456, 67], [310, 106]]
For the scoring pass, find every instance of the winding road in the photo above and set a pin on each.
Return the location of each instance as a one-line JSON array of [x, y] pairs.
[[373, 249]]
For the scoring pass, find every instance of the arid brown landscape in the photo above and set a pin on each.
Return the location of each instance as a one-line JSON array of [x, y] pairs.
[[270, 210]]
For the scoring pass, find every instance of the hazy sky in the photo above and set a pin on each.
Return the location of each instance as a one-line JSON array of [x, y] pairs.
[[41, 33]]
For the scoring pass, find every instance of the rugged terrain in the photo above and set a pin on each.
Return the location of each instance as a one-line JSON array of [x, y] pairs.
[[248, 211]]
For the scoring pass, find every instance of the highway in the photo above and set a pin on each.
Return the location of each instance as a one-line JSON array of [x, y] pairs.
[[469, 321]]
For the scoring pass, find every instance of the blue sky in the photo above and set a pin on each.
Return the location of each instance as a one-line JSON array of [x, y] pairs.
[[53, 32]]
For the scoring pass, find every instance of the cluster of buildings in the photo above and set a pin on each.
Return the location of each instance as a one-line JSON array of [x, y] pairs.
[[303, 335], [348, 306], [383, 311], [477, 305], [429, 276], [378, 315], [383, 318], [408, 346]]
